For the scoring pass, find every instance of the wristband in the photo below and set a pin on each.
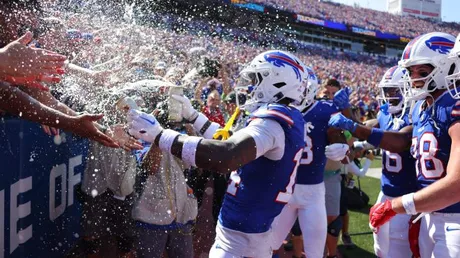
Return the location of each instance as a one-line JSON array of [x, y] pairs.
[[205, 127], [408, 203], [353, 129], [376, 137], [200, 121], [189, 150], [166, 139]]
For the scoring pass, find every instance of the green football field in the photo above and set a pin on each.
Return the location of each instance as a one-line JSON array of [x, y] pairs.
[[359, 219], [359, 223]]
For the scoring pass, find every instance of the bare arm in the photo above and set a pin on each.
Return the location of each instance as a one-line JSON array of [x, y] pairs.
[[445, 191], [49, 100], [335, 136], [391, 141], [221, 156], [16, 102]]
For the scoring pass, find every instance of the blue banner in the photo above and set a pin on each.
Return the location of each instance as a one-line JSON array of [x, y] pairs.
[[39, 209], [323, 23], [363, 31], [382, 35], [256, 7]]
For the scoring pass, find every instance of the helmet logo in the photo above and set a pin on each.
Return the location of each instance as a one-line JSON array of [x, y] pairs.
[[311, 74], [279, 59], [440, 44], [390, 73]]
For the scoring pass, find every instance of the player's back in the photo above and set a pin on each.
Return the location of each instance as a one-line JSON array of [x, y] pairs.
[[431, 142], [311, 169], [398, 169], [258, 191]]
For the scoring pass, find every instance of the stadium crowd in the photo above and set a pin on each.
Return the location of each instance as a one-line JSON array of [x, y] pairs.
[[407, 26]]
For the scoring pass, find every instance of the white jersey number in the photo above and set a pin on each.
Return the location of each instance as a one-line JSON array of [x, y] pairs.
[[308, 152], [427, 147], [393, 162], [284, 196]]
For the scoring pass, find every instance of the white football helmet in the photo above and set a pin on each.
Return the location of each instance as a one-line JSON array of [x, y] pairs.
[[270, 77], [391, 87], [454, 73], [311, 89], [432, 49]]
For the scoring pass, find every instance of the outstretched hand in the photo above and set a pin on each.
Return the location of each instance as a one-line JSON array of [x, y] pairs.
[[339, 121], [126, 142], [23, 65], [84, 126], [342, 98]]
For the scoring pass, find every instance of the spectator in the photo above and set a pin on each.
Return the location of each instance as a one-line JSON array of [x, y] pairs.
[[166, 208], [212, 109]]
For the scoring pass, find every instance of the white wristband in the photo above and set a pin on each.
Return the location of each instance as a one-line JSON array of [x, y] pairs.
[[189, 150], [212, 129], [199, 122], [167, 139], [205, 127], [408, 203]]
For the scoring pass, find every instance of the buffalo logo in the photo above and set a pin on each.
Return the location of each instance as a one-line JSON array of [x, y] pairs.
[[440, 44], [279, 59], [390, 73], [311, 74]]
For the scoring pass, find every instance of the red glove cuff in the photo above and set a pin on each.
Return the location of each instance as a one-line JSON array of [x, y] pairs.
[[381, 213]]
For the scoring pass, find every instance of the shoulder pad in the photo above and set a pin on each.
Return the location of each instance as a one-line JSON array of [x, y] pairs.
[[279, 113]]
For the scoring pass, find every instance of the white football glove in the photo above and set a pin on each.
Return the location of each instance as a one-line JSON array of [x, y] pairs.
[[188, 112], [143, 126], [336, 151]]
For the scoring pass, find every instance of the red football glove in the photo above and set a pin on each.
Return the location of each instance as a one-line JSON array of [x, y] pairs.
[[380, 214], [414, 231]]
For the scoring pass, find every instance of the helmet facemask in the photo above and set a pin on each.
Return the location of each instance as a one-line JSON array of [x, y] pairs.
[[425, 58], [391, 95], [453, 79], [413, 93]]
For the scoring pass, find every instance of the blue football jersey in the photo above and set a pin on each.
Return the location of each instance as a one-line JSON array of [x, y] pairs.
[[398, 169], [431, 141], [311, 169], [258, 191]]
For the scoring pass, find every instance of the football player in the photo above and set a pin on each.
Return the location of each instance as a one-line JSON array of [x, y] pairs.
[[398, 169], [434, 141], [262, 157], [308, 201]]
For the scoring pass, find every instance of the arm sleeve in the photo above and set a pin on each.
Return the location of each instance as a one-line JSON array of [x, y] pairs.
[[269, 137], [205, 127], [353, 168]]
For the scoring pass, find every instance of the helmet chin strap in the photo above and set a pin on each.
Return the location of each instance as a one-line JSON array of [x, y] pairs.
[[433, 110]]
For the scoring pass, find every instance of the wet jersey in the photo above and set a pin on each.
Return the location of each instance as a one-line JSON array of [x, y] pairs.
[[398, 169], [258, 191], [311, 169], [431, 141]]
